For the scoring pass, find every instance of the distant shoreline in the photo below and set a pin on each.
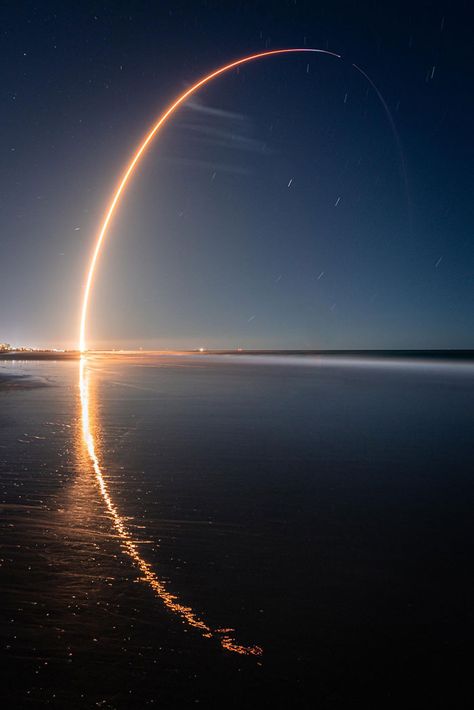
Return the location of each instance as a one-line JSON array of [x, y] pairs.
[[11, 381], [465, 355], [39, 355]]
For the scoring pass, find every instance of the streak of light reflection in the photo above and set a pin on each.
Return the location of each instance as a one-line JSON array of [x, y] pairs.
[[130, 546]]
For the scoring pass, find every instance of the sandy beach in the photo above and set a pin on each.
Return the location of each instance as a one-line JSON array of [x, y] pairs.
[[18, 382], [40, 355]]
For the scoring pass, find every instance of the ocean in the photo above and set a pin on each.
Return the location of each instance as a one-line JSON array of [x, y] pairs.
[[236, 531]]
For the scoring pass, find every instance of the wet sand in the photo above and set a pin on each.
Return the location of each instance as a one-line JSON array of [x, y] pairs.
[[39, 355], [321, 512], [18, 382]]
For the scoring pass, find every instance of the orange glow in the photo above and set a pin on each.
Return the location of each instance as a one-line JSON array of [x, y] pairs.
[[130, 546], [139, 153]]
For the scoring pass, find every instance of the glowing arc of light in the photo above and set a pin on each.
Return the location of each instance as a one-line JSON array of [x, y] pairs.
[[141, 150]]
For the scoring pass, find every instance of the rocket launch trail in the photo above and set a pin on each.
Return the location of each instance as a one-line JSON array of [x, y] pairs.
[[141, 150]]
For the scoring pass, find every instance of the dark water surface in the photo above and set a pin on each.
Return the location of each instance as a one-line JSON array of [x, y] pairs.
[[321, 508]]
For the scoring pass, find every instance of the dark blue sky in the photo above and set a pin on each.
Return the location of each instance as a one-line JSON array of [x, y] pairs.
[[277, 210]]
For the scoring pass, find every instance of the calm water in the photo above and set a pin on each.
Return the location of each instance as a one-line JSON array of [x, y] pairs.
[[192, 510]]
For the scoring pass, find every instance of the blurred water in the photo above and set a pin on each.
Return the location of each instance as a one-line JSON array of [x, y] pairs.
[[320, 508]]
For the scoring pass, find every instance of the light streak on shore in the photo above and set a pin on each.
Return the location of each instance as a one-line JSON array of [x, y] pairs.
[[130, 546], [140, 152]]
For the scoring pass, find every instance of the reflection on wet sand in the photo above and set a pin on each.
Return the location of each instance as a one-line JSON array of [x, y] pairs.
[[129, 546]]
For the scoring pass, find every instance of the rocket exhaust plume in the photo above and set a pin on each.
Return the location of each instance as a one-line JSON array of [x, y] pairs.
[[130, 169]]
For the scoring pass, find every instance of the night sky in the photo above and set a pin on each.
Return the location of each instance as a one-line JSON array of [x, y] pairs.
[[279, 209]]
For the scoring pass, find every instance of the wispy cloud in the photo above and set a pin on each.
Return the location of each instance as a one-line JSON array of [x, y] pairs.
[[225, 138], [221, 128], [231, 133], [199, 107], [208, 165]]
